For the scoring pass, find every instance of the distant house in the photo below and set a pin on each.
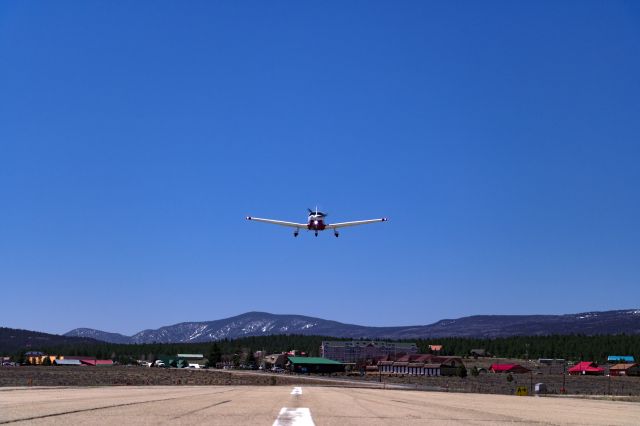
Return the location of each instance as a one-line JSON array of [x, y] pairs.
[[508, 368], [479, 353], [586, 368], [436, 349], [625, 370], [621, 359]]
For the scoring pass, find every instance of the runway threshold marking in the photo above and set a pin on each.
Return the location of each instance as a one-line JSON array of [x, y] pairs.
[[294, 417], [296, 391]]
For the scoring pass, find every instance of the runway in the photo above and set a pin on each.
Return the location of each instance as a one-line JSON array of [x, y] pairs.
[[297, 405]]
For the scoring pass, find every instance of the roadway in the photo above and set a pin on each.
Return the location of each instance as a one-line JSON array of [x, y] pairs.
[[292, 405]]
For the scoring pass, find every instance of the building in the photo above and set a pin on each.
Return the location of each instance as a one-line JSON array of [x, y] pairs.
[[191, 357], [479, 352], [87, 360], [621, 359], [357, 350], [39, 358], [97, 362], [508, 368], [194, 360], [67, 362], [307, 365], [625, 370], [551, 361], [45, 359], [586, 368], [172, 361], [422, 365], [436, 349], [274, 360]]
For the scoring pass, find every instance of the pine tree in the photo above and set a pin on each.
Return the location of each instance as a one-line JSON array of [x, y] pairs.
[[251, 359], [215, 355]]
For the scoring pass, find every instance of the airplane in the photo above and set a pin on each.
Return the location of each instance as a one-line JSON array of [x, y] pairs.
[[315, 222]]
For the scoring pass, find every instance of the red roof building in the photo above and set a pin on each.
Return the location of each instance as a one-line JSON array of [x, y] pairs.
[[98, 362], [508, 368], [586, 367]]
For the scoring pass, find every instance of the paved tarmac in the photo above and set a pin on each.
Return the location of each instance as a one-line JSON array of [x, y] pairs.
[[299, 405]]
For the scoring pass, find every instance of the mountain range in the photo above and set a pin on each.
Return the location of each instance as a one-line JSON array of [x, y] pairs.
[[478, 326]]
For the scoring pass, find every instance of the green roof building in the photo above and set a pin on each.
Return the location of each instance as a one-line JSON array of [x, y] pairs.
[[308, 365]]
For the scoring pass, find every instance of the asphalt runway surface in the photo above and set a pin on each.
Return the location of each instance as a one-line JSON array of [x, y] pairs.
[[298, 405]]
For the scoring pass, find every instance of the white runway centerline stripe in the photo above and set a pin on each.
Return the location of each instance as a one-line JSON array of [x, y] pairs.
[[294, 417], [296, 391]]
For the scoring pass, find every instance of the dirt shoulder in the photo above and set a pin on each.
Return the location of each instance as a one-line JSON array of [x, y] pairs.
[[142, 376]]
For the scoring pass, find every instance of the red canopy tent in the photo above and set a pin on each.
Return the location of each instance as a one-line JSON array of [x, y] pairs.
[[586, 367], [508, 368]]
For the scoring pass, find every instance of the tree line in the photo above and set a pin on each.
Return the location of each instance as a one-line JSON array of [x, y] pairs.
[[569, 347]]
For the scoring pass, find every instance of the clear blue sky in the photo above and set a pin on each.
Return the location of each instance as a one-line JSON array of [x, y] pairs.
[[500, 138]]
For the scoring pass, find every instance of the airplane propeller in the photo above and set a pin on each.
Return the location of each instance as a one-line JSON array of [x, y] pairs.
[[317, 212]]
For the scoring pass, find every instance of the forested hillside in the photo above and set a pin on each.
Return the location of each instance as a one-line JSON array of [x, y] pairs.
[[13, 340]]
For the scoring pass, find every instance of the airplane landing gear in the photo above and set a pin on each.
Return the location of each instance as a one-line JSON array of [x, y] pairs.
[[316, 233], [295, 233], [336, 234]]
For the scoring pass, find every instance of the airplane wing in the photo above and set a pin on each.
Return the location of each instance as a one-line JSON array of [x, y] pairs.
[[279, 222], [357, 222]]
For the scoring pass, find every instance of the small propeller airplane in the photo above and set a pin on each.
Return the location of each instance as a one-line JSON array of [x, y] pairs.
[[316, 223]]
